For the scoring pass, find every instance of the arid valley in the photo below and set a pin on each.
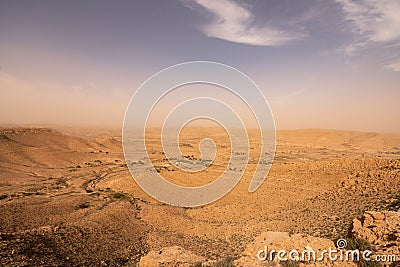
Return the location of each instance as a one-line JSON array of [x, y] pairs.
[[68, 199], [200, 133]]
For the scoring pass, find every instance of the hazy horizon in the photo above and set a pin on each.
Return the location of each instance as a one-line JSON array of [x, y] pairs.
[[320, 64]]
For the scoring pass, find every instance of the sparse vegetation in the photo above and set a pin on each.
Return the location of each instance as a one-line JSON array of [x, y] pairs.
[[61, 181], [391, 237], [362, 245], [290, 263], [83, 205], [291, 232], [121, 196], [358, 243], [3, 196], [363, 263], [395, 205], [227, 262]]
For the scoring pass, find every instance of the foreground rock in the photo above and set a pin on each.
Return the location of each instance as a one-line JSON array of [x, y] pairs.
[[381, 230], [174, 256], [284, 241]]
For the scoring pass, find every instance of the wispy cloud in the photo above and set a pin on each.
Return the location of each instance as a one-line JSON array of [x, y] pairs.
[[291, 95], [378, 20], [374, 23], [235, 23], [394, 65]]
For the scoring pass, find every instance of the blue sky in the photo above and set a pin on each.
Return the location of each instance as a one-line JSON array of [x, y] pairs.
[[320, 63]]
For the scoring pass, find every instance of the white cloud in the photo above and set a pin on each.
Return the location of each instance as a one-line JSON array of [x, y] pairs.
[[375, 23], [375, 20], [394, 66], [235, 23]]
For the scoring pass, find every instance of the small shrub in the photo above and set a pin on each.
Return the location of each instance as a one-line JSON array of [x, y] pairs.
[[227, 262], [120, 196], [391, 237], [83, 205], [362, 245], [4, 196], [290, 263], [291, 232], [358, 243], [61, 181], [394, 206], [363, 263]]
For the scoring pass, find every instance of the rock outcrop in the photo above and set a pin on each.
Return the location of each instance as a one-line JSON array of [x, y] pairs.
[[381, 229], [284, 241]]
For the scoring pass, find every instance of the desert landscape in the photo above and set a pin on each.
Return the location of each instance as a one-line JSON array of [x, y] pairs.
[[199, 133], [68, 199]]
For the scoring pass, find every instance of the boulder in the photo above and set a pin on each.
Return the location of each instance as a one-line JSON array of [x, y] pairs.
[[381, 230]]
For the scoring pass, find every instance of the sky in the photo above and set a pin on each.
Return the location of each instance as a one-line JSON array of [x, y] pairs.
[[320, 63]]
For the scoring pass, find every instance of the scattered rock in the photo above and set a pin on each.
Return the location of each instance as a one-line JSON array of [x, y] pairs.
[[381, 229]]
